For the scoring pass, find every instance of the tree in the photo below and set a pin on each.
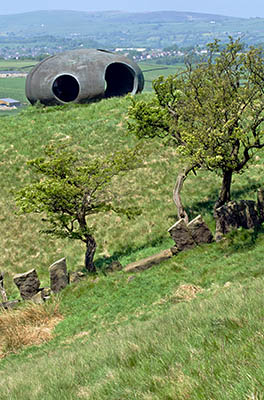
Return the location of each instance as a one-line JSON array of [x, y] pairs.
[[70, 187], [212, 112]]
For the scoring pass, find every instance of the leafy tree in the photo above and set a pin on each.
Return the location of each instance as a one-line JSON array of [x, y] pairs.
[[212, 112], [69, 188]]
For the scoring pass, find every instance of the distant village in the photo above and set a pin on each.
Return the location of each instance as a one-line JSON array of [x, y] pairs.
[[144, 54], [137, 54]]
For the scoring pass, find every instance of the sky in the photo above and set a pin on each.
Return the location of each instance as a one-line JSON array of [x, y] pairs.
[[236, 8]]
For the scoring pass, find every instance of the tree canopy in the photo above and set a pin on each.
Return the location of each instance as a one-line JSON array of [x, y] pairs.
[[70, 187], [211, 111]]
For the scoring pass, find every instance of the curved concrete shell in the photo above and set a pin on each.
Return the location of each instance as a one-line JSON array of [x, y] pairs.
[[80, 76]]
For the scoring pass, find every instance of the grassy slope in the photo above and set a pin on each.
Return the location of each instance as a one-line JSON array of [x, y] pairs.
[[139, 338], [97, 127], [209, 348]]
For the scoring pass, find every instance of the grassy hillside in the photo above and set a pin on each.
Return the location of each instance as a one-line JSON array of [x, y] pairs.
[[97, 127], [191, 328], [184, 347]]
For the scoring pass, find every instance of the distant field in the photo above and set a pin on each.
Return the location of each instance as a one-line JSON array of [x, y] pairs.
[[153, 71], [16, 65], [14, 88]]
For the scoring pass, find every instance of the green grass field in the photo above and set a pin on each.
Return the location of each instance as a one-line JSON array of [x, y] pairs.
[[191, 328], [14, 88], [153, 71], [16, 65]]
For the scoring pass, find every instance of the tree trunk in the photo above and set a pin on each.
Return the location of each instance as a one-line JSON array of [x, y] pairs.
[[89, 254], [177, 194], [225, 193]]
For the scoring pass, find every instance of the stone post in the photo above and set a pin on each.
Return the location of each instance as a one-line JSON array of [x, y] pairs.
[[28, 284], [59, 278], [200, 231], [181, 236]]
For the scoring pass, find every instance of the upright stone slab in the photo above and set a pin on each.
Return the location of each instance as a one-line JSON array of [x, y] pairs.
[[27, 283], [235, 214], [181, 236], [58, 275], [200, 231]]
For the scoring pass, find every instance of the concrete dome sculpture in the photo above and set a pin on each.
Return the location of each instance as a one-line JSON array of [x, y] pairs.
[[80, 76]]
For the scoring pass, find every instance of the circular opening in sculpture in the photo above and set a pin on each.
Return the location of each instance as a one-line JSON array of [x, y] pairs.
[[66, 88], [120, 80]]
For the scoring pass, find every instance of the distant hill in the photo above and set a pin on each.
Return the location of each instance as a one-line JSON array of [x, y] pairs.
[[124, 29], [76, 20]]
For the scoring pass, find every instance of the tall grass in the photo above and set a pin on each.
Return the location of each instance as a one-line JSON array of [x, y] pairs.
[[210, 347], [30, 325]]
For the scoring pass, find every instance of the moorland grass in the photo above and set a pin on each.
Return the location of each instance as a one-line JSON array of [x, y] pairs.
[[206, 347], [99, 128], [29, 325], [190, 328]]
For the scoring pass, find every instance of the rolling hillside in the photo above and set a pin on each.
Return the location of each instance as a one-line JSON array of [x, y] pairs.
[[53, 21], [190, 328], [122, 29]]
